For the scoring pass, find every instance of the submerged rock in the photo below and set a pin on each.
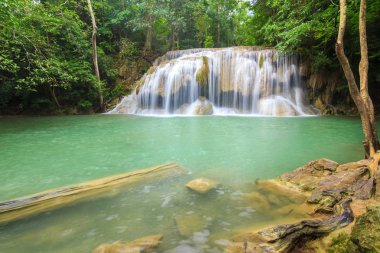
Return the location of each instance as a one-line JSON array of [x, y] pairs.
[[258, 200], [202, 106], [116, 247], [140, 245], [202, 185], [187, 225], [276, 188]]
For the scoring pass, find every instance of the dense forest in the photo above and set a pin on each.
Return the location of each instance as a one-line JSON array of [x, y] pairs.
[[46, 63]]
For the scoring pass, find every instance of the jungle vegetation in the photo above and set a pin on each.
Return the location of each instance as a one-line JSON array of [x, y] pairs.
[[46, 46]]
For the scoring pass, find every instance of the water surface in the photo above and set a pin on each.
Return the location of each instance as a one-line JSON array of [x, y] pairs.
[[39, 153]]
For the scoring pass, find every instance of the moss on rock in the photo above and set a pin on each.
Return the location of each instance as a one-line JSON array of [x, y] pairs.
[[365, 235], [366, 232], [261, 61], [343, 244], [203, 72]]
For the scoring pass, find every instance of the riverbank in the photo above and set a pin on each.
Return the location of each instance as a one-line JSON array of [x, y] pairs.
[[322, 206], [341, 200]]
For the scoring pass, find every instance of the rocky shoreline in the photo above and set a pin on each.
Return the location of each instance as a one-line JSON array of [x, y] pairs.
[[338, 199], [322, 206]]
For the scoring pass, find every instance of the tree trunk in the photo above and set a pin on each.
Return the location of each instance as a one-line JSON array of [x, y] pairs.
[[363, 72], [149, 35], [361, 99], [95, 53], [52, 92]]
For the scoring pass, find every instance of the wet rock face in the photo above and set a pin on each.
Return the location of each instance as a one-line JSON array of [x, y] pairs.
[[202, 107], [330, 182], [246, 81], [355, 182], [310, 175], [344, 181], [353, 165]]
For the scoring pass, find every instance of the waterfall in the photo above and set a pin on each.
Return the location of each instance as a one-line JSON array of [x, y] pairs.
[[241, 80]]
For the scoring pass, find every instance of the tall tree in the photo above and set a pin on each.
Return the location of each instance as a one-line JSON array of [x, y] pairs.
[[361, 98], [95, 53]]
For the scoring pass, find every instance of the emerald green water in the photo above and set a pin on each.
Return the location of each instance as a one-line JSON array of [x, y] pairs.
[[39, 153]]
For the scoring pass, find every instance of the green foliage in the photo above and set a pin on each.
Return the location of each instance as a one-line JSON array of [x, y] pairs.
[[310, 28], [209, 43], [46, 51], [85, 105]]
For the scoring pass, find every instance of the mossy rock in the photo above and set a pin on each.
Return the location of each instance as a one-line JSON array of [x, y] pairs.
[[365, 236], [366, 232], [261, 61], [203, 72], [343, 244], [151, 70]]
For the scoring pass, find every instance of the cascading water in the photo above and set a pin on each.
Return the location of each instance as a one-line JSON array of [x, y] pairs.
[[220, 81]]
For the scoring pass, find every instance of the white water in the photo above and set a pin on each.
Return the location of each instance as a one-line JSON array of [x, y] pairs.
[[240, 81]]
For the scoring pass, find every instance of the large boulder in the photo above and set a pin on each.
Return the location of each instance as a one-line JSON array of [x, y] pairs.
[[258, 200], [201, 185], [276, 188], [277, 106], [202, 106], [333, 188], [353, 165], [309, 176]]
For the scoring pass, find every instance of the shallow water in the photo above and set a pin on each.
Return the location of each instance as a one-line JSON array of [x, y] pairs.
[[40, 153]]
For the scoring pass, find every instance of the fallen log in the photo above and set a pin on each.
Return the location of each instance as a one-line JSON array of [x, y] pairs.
[[50, 199]]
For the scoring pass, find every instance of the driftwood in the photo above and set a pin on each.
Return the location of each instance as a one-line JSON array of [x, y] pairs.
[[284, 238], [47, 200]]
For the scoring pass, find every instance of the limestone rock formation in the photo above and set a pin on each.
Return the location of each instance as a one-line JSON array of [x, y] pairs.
[[331, 191], [202, 106], [243, 80], [308, 176], [277, 106], [202, 185]]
